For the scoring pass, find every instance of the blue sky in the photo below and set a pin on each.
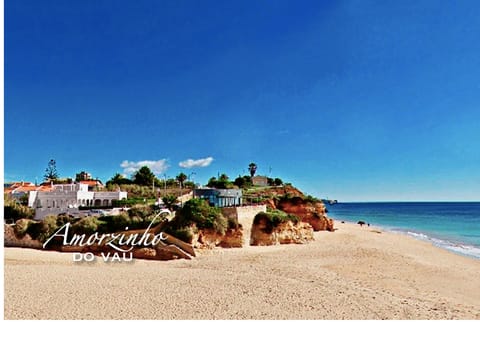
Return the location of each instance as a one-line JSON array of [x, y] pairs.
[[354, 100]]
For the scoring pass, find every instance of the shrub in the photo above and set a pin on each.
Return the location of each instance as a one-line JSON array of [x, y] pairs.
[[16, 211], [113, 223], [49, 226], [128, 202], [296, 200], [199, 213], [311, 199], [63, 219], [35, 229], [185, 234], [87, 225], [21, 227], [169, 200], [232, 223], [273, 219], [140, 211]]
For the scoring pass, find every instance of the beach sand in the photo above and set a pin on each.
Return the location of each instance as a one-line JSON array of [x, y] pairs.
[[353, 273]]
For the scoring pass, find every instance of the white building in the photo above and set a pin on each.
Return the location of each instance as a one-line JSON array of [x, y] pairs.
[[69, 197]]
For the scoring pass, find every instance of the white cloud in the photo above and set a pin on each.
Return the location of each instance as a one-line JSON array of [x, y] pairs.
[[157, 166], [190, 163]]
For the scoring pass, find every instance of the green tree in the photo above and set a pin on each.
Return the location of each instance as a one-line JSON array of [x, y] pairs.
[[212, 182], [198, 213], [171, 183], [222, 182], [51, 171], [252, 168], [243, 182], [13, 210], [118, 179], [24, 200], [181, 178], [189, 184], [278, 182], [82, 176], [144, 177]]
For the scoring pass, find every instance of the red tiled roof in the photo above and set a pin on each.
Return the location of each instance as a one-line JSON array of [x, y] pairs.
[[45, 188], [91, 182], [20, 184], [26, 189], [20, 187]]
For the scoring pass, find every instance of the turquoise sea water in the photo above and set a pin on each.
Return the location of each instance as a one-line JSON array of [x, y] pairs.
[[451, 225]]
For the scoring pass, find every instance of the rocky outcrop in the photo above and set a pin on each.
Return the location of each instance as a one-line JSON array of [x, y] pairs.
[[11, 240], [310, 212], [287, 232], [170, 248], [206, 238]]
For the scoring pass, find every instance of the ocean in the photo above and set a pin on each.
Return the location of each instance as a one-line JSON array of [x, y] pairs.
[[454, 226]]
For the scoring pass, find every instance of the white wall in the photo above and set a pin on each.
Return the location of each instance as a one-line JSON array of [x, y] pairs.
[[64, 197]]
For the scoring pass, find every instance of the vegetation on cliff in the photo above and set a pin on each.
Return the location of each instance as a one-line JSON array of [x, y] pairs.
[[14, 211], [196, 214], [273, 218]]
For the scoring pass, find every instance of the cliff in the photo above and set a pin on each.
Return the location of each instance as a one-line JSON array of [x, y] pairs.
[[11, 240], [271, 231], [292, 201], [209, 238], [309, 211]]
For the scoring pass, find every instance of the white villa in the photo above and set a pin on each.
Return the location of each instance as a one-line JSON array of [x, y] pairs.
[[66, 197]]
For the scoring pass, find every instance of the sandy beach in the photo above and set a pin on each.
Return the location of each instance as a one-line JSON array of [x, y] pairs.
[[353, 273]]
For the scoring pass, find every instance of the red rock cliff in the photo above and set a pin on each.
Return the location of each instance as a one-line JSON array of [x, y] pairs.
[[308, 211], [288, 232]]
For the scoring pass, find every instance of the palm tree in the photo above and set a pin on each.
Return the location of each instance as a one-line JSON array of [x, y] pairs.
[[181, 178], [252, 168]]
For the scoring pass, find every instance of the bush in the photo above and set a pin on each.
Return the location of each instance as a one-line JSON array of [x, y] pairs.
[[114, 223], [243, 182], [21, 227], [311, 199], [49, 226], [87, 225], [128, 202], [185, 234], [232, 223], [141, 211], [199, 213], [296, 200], [36, 229], [273, 219], [169, 200], [63, 219], [16, 211]]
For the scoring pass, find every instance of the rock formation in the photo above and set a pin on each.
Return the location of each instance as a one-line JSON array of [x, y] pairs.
[[286, 232], [311, 212], [170, 248], [11, 240], [206, 238]]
